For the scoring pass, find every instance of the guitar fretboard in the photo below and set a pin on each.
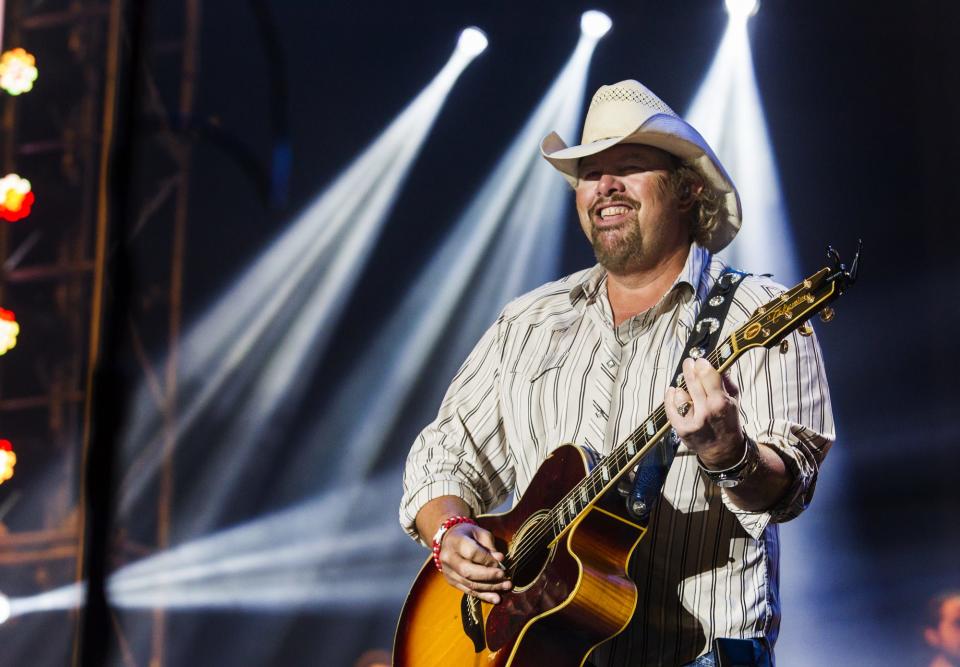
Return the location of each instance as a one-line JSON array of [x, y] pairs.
[[767, 326]]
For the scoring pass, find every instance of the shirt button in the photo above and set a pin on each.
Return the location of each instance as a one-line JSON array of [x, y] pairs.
[[611, 363]]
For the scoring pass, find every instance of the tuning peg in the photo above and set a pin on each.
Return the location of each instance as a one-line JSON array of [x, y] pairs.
[[827, 314], [805, 329]]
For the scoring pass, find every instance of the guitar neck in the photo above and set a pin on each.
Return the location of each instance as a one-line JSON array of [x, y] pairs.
[[768, 326], [626, 455]]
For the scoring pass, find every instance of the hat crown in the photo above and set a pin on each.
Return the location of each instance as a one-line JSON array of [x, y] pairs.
[[618, 109]]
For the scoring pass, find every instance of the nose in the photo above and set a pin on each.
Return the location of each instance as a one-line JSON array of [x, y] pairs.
[[609, 184]]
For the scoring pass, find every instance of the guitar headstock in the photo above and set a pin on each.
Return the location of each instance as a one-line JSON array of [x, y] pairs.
[[773, 321]]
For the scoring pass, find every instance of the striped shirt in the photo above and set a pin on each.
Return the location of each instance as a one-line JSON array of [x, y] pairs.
[[554, 369]]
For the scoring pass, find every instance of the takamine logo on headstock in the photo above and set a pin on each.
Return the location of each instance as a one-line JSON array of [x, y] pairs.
[[789, 311]]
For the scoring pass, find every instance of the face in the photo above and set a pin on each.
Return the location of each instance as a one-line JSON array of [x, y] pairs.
[[628, 210], [946, 636]]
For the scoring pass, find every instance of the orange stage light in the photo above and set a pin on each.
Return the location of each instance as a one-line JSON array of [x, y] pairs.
[[18, 71], [7, 460]]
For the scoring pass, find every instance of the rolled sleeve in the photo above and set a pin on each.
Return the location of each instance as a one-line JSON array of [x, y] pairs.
[[785, 404], [463, 452]]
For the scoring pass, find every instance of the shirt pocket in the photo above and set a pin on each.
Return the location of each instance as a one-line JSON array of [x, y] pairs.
[[544, 352], [536, 393]]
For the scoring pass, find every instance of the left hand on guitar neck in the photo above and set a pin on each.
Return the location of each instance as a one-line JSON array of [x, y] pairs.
[[710, 426]]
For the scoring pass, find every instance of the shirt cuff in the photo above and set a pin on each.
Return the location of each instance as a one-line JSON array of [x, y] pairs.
[[415, 499], [791, 505], [754, 523]]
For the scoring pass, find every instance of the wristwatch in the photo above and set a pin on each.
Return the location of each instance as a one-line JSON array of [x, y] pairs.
[[732, 476]]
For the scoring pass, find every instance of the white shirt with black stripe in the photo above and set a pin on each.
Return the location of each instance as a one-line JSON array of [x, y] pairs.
[[553, 369]]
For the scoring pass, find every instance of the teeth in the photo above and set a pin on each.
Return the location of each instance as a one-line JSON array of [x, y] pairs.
[[611, 211]]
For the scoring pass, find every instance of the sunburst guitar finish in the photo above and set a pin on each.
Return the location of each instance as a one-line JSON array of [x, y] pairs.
[[569, 597]]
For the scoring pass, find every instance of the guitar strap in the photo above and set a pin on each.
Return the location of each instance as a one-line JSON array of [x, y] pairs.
[[652, 469]]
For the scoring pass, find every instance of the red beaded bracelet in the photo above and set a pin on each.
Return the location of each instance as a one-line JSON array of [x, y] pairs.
[[438, 537]]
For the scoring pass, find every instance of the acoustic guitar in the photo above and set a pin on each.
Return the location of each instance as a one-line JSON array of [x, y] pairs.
[[567, 541]]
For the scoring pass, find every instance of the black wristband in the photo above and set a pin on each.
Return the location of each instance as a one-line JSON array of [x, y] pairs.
[[735, 474]]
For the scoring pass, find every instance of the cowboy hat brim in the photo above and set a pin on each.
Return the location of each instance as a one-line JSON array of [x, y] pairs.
[[670, 134]]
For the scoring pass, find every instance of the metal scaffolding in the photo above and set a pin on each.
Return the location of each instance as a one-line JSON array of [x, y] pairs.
[[55, 274]]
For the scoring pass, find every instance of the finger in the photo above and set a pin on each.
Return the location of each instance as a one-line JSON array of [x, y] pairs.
[[670, 403], [456, 556], [466, 576], [677, 402], [730, 386], [466, 546], [671, 408], [485, 539], [709, 377], [492, 598], [694, 387], [481, 573]]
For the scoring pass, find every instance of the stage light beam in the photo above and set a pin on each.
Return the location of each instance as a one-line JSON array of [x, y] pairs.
[[305, 556], [595, 24], [507, 241], [492, 253], [728, 112], [742, 10], [274, 323]]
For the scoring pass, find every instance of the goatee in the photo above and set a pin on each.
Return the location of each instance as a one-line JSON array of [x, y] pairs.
[[618, 254]]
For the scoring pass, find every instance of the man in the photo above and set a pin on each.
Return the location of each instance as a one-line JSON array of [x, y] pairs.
[[942, 631], [587, 358]]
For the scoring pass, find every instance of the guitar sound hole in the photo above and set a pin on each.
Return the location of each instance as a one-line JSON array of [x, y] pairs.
[[528, 555]]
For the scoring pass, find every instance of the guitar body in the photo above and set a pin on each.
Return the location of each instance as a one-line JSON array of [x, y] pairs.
[[567, 599]]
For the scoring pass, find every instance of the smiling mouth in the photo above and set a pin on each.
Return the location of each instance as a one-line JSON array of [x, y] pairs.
[[610, 215]]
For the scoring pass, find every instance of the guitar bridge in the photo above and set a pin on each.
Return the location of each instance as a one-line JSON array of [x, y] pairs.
[[472, 617]]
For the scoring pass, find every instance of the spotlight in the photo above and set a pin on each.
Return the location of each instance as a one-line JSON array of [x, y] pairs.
[[4, 608], [472, 42], [742, 9], [7, 462], [8, 331], [595, 24], [18, 71], [16, 198]]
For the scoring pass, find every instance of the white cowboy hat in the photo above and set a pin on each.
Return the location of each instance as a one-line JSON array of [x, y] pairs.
[[629, 113]]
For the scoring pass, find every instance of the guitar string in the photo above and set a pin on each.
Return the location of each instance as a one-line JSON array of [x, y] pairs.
[[531, 542], [533, 538]]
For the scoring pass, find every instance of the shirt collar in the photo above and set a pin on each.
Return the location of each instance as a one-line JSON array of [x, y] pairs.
[[698, 259]]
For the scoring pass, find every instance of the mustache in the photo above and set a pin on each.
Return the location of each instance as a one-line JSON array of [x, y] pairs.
[[614, 199]]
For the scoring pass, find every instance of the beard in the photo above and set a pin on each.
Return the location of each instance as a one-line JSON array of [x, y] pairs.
[[617, 254], [617, 249]]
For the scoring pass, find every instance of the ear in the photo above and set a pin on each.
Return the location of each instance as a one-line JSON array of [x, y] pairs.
[[932, 637], [689, 192]]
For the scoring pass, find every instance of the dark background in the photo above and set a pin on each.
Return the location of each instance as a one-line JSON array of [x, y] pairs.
[[862, 107], [862, 104]]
